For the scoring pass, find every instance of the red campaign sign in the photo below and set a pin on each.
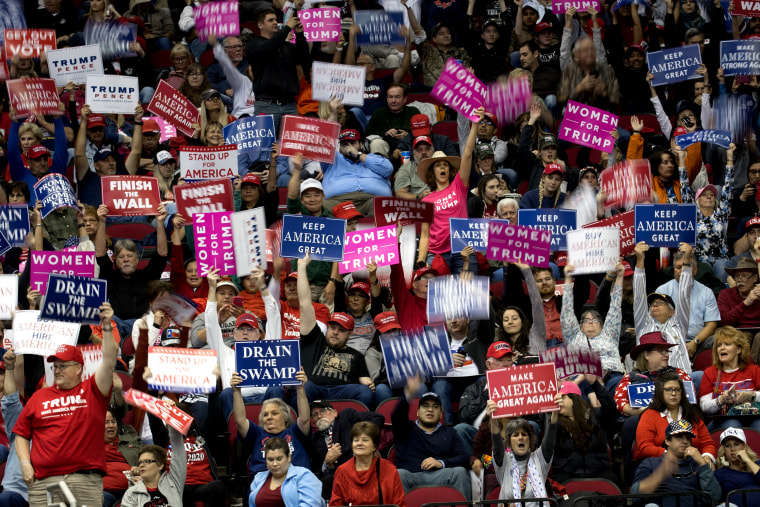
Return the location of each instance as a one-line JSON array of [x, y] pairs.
[[174, 107], [746, 8], [208, 196], [3, 65], [33, 95], [624, 222], [392, 210], [522, 390], [127, 196], [29, 43], [168, 413], [316, 139], [627, 183]]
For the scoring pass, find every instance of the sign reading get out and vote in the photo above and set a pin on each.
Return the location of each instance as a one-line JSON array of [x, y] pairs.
[[379, 245], [588, 126], [28, 43]]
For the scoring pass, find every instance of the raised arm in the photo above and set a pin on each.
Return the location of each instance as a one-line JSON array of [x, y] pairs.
[[465, 166], [100, 237], [308, 316], [238, 407], [162, 245], [80, 145], [406, 62], [304, 414], [568, 320], [133, 159], [104, 373], [537, 335], [639, 290]]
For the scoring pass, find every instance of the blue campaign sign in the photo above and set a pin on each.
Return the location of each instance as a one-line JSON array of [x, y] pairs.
[[55, 191], [379, 27], [424, 352], [468, 232], [322, 237], [665, 224], [558, 221], [13, 17], [74, 299], [719, 137], [740, 57], [675, 64], [640, 395], [14, 223], [5, 245], [450, 297], [265, 363], [252, 134]]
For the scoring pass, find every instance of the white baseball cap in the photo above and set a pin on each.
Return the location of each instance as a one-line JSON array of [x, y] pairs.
[[311, 183], [736, 433]]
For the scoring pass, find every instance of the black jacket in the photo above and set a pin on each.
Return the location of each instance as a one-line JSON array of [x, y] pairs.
[[274, 61], [341, 429]]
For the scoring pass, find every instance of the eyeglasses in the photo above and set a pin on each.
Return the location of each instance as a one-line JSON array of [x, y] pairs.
[[590, 321], [672, 390], [485, 122], [214, 97], [236, 46], [659, 302], [744, 276], [180, 58], [146, 462], [195, 74], [62, 366]]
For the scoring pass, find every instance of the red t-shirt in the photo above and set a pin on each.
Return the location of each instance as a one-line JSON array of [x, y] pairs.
[[451, 202], [747, 379], [291, 319], [198, 466], [491, 211], [62, 423], [269, 497], [116, 465]]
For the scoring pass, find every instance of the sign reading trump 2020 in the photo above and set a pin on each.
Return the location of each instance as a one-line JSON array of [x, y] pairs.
[[379, 245], [130, 195], [34, 335], [666, 225], [208, 162], [265, 363], [316, 139], [558, 221], [74, 64], [521, 390], [323, 238], [178, 370], [675, 65], [28, 43], [253, 134], [112, 94], [459, 89], [74, 299], [588, 126], [740, 57]]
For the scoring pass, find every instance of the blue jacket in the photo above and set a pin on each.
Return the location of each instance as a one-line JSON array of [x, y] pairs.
[[16, 164], [344, 176], [530, 200], [300, 489]]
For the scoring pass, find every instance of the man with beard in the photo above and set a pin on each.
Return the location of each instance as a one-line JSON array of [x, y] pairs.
[[745, 198], [151, 137], [332, 440], [553, 304]]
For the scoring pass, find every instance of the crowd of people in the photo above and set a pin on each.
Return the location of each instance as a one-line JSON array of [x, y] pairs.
[[678, 323]]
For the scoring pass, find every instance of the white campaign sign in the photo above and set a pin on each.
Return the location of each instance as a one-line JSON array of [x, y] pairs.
[[8, 296], [593, 250], [32, 335], [74, 64], [249, 234], [343, 81], [182, 370], [112, 94], [208, 162]]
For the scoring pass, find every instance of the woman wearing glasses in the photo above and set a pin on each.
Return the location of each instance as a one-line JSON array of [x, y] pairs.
[[669, 404]]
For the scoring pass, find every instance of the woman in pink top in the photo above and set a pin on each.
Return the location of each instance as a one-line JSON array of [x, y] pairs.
[[448, 193]]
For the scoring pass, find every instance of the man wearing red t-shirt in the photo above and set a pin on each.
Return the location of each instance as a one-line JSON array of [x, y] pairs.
[[62, 420], [291, 310]]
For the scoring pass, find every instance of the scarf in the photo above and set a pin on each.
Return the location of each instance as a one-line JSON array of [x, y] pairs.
[[533, 476]]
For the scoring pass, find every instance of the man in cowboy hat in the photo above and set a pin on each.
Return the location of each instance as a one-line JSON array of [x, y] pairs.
[[740, 305]]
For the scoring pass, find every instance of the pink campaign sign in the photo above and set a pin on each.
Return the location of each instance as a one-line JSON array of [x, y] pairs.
[[221, 18], [66, 263], [515, 243], [561, 6], [459, 89], [588, 126], [321, 25], [379, 244], [508, 100], [214, 247]]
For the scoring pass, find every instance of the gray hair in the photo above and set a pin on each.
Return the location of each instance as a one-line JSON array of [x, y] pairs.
[[124, 244], [520, 424], [507, 201], [284, 408], [679, 255], [576, 46]]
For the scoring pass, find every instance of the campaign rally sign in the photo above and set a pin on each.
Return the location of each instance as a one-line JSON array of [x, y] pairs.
[[740, 57], [666, 225], [178, 370], [450, 297], [573, 360], [719, 137], [392, 210], [345, 82], [112, 94], [516, 243], [219, 18], [116, 38], [252, 134], [92, 355], [74, 64], [522, 390], [28, 43], [379, 245], [209, 196], [167, 412], [174, 107], [5, 245], [508, 100], [595, 250], [265, 363], [627, 183], [675, 64], [54, 191], [8, 296], [424, 352], [746, 8], [178, 307], [641, 394], [468, 232], [250, 238], [14, 223], [33, 94], [34, 335], [167, 130], [65, 263], [322, 237], [13, 17], [459, 89], [558, 221], [130, 195], [379, 27], [316, 139], [208, 162], [588, 126], [321, 25], [74, 299], [561, 6], [624, 223], [4, 74], [214, 247]]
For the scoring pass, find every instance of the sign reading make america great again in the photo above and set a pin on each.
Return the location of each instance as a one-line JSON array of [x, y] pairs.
[[316, 139]]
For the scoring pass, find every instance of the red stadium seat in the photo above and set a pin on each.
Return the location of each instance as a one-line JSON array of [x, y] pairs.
[[133, 231], [448, 129], [339, 405], [387, 407], [592, 485], [161, 59], [702, 361], [494, 493], [416, 497], [207, 58]]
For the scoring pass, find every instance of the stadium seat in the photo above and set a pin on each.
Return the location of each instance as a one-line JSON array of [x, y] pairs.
[[339, 405], [387, 407], [650, 123], [753, 437], [702, 361], [448, 129], [134, 231], [392, 454], [416, 497], [161, 59], [207, 58], [603, 486], [126, 380], [494, 493]]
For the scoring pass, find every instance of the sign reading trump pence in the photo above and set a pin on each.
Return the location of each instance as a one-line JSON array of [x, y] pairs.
[[266, 363], [521, 390]]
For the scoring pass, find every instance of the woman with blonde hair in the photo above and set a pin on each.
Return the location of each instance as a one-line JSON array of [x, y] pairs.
[[737, 467], [549, 193]]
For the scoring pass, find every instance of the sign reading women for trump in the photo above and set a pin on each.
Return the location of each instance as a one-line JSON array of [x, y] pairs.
[[719, 137], [33, 94], [66, 263], [28, 43], [74, 64], [112, 94], [450, 297], [595, 250], [389, 210], [14, 223], [177, 370], [522, 390], [515, 243], [379, 27], [666, 225], [54, 191], [321, 25], [174, 107], [74, 299], [378, 245], [623, 222], [204, 197], [208, 162], [316, 139], [169, 413], [573, 360], [265, 363], [214, 247], [468, 232], [558, 221], [588, 126], [253, 134], [322, 238], [627, 183], [424, 352], [8, 296], [35, 335], [345, 82], [740, 57], [130, 195], [675, 65], [220, 18], [249, 234], [508, 100], [459, 89]]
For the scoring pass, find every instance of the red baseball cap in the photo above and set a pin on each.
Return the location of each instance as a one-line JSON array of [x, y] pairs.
[[420, 125], [680, 131], [492, 117], [423, 271], [346, 210], [553, 168], [37, 151], [67, 353], [293, 275], [754, 221], [344, 320], [151, 125], [497, 350], [635, 47], [629, 270], [250, 178], [96, 120], [349, 135], [386, 321], [540, 27], [560, 259], [422, 139], [248, 319], [363, 287]]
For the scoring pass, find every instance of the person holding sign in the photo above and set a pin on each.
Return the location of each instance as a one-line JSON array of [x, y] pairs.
[[50, 462], [284, 483], [525, 337]]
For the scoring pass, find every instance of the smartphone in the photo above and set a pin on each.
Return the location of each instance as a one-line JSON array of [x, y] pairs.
[[238, 301]]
